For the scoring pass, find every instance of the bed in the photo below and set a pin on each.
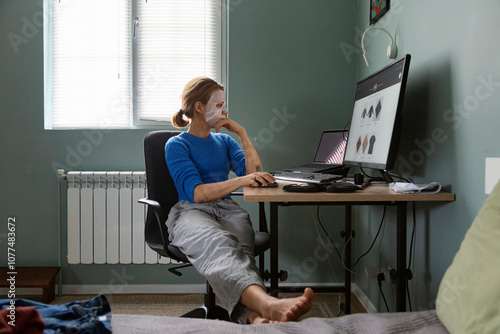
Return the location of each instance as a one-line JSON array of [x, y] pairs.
[[410, 322]]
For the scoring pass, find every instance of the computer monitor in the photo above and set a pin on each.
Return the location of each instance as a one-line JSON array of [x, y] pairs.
[[375, 126]]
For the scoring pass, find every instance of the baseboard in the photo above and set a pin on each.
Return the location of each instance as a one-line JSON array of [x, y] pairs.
[[85, 289], [132, 288], [363, 299]]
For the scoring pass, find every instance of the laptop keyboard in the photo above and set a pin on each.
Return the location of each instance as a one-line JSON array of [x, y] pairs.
[[307, 177]]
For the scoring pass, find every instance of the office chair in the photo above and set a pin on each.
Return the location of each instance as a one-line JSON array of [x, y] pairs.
[[162, 195]]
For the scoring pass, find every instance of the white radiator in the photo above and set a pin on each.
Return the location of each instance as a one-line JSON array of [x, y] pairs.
[[105, 221]]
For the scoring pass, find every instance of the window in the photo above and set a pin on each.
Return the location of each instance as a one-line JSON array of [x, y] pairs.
[[124, 63]]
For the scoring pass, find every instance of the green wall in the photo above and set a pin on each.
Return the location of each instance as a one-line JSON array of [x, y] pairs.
[[284, 65], [284, 60], [454, 52]]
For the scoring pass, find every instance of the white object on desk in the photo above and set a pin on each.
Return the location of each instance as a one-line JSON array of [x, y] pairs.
[[403, 187]]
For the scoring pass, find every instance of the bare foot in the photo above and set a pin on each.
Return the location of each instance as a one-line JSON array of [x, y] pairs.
[[255, 318], [289, 309]]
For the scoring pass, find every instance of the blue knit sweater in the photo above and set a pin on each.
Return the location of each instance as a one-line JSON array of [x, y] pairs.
[[192, 161]]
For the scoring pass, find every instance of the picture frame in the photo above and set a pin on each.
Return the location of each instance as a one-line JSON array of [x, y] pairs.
[[377, 9]]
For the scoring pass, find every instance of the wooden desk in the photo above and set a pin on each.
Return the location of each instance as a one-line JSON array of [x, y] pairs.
[[375, 194]]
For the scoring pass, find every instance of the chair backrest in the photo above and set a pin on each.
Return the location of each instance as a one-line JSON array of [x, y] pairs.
[[161, 188]]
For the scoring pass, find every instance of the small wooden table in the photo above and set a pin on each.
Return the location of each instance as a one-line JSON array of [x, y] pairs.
[[31, 277]]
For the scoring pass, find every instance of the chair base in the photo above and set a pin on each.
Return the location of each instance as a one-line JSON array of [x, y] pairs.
[[203, 312]]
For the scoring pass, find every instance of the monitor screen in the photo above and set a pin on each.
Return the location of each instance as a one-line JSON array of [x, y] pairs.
[[376, 118]]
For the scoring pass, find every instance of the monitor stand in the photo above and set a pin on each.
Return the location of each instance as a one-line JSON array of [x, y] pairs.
[[384, 178]]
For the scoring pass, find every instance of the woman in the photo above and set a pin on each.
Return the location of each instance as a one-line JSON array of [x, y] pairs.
[[206, 225]]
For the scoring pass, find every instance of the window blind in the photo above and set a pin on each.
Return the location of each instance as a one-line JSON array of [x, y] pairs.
[[91, 75], [124, 63], [177, 41]]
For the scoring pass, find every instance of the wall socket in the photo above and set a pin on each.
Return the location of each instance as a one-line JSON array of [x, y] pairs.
[[388, 272], [389, 275], [492, 174]]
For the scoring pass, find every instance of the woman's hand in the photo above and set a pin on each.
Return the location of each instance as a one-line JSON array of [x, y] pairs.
[[230, 125], [258, 178], [211, 191]]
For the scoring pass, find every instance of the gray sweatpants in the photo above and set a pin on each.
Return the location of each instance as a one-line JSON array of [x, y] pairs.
[[218, 239]]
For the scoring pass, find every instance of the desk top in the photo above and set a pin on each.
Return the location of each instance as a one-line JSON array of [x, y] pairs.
[[375, 192]]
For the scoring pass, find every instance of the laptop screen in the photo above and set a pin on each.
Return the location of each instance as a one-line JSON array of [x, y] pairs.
[[331, 147]]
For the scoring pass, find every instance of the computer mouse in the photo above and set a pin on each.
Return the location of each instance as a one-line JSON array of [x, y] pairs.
[[269, 185], [342, 187]]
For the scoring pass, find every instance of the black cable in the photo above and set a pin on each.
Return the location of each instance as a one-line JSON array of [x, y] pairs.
[[412, 239], [408, 293], [400, 177], [375, 239], [345, 127], [380, 278], [383, 296], [328, 235], [412, 236], [381, 179]]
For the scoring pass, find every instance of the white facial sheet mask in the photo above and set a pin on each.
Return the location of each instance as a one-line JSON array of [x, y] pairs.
[[214, 114]]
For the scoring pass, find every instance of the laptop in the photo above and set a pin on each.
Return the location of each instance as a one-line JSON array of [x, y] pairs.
[[329, 154]]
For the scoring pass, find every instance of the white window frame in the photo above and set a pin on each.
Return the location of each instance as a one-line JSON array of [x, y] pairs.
[[135, 122]]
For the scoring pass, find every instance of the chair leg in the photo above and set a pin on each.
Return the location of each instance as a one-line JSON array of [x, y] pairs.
[[218, 313], [214, 310], [209, 310], [199, 313]]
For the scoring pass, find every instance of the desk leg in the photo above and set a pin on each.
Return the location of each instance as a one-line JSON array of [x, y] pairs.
[[347, 260], [274, 249], [401, 258]]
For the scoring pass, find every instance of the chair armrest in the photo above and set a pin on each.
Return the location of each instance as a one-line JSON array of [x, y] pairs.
[[160, 218], [148, 202]]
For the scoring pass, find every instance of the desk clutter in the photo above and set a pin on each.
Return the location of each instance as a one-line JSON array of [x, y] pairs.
[[348, 187]]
